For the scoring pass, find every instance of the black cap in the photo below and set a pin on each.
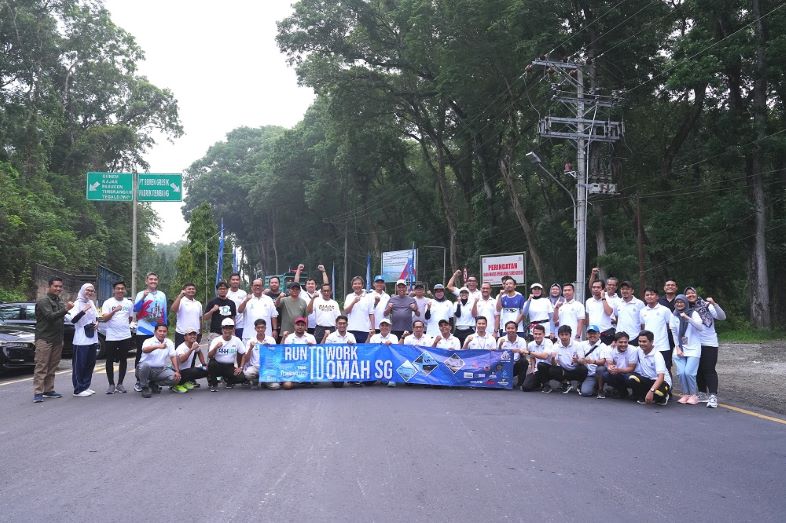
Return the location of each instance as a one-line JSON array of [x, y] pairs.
[[294, 285]]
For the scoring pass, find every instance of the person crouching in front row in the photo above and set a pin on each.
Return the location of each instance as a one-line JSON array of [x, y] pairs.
[[153, 369]]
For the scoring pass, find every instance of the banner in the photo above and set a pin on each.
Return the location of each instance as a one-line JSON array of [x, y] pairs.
[[494, 266], [379, 362], [396, 264]]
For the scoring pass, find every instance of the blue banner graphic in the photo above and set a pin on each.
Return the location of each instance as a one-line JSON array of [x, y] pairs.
[[378, 362]]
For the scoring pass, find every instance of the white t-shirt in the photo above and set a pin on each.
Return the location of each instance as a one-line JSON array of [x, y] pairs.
[[547, 346], [117, 326], [189, 316], [440, 310], [518, 344], [338, 339], [238, 296], [423, 341], [656, 320], [311, 320], [473, 295], [158, 357], [228, 351], [254, 344], [601, 351], [358, 319], [623, 359], [88, 318], [487, 342], [466, 320], [183, 349], [379, 308], [305, 339], [565, 354], [325, 312], [597, 314], [652, 364], [421, 303], [487, 309], [451, 343], [628, 315], [391, 338], [263, 307], [540, 310], [691, 342], [570, 312]]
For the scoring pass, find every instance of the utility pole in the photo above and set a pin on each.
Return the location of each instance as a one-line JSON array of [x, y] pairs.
[[581, 130]]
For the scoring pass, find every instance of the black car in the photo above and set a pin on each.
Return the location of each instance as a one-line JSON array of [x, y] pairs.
[[23, 313], [17, 349]]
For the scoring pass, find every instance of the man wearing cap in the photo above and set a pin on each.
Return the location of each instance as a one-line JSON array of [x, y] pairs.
[[250, 363], [462, 311], [621, 362], [445, 340], [291, 307], [222, 358], [471, 286], [651, 381], [341, 336], [258, 305], [593, 354], [400, 309], [568, 311], [437, 310], [538, 308], [419, 295], [379, 299], [218, 309], [187, 354], [509, 305], [325, 311], [486, 306]]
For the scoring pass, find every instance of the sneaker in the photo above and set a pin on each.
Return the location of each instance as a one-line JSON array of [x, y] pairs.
[[189, 385], [357, 383], [119, 388], [180, 389], [254, 385], [91, 391], [155, 389], [214, 388], [568, 388], [692, 400], [195, 384], [38, 398], [703, 397], [146, 393], [664, 401], [391, 384], [641, 402], [601, 395], [137, 387], [683, 399], [110, 389], [546, 389], [273, 386], [83, 394], [712, 401], [52, 394], [229, 385]]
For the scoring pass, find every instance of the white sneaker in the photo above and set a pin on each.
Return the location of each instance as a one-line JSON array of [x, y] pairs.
[[712, 402], [83, 394], [91, 391], [703, 397]]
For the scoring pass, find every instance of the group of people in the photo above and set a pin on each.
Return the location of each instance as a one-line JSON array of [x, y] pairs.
[[613, 344]]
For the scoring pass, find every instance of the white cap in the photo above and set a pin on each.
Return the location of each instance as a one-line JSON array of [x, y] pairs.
[[227, 322], [401, 282], [384, 320]]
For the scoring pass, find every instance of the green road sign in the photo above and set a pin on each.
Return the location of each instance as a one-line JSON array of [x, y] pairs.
[[160, 187], [118, 187]]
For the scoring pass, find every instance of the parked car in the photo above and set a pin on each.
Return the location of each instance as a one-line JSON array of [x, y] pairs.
[[17, 349], [23, 313]]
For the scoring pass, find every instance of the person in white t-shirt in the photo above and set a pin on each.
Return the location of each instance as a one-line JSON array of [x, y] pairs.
[[651, 381], [222, 356], [418, 338], [593, 354], [538, 307], [325, 311], [566, 367], [471, 286], [419, 295], [518, 346], [117, 314], [445, 340], [620, 363], [462, 312], [258, 305], [188, 311], [341, 336], [359, 308], [158, 363], [237, 295], [569, 311], [250, 362], [438, 309], [486, 306], [655, 318], [482, 339], [188, 353], [599, 312], [385, 337], [627, 310], [379, 300], [299, 337], [541, 354]]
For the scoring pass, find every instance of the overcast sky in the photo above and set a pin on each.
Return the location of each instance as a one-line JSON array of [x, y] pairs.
[[223, 65]]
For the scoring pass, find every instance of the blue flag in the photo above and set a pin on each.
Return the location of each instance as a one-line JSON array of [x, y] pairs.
[[333, 279], [411, 276], [368, 272], [234, 259], [220, 263]]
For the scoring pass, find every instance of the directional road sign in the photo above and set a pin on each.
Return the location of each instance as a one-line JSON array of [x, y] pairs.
[[118, 187], [160, 187]]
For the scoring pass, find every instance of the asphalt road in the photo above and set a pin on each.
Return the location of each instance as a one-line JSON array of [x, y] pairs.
[[379, 454]]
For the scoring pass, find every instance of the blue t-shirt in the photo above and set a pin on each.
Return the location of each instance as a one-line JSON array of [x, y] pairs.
[[511, 308], [150, 311]]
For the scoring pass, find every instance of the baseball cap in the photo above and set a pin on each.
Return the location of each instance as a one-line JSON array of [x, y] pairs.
[[535, 286], [419, 286], [379, 277], [593, 328], [192, 331], [464, 289], [440, 322], [439, 287], [401, 282], [300, 319], [294, 285], [384, 320], [227, 322]]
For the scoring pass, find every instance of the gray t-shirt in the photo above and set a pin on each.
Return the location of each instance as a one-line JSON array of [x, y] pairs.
[[401, 315], [289, 311]]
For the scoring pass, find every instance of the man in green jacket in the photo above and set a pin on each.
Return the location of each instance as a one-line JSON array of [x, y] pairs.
[[49, 313]]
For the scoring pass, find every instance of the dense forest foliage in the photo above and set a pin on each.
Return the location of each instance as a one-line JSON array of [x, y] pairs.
[[425, 112]]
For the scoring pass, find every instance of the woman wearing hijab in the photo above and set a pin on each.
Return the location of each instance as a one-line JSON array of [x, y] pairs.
[[707, 377], [539, 310], [686, 327], [84, 316], [555, 297]]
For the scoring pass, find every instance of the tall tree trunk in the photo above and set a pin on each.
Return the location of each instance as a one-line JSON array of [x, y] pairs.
[[529, 233], [760, 288]]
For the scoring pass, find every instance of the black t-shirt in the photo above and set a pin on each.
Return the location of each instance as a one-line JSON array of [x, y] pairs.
[[226, 309]]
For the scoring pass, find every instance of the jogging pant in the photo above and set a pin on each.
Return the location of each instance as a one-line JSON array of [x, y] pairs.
[[360, 336], [117, 351], [618, 381], [192, 374], [561, 374], [520, 371], [641, 385], [148, 375], [82, 364], [462, 334], [225, 370], [707, 376], [139, 339]]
